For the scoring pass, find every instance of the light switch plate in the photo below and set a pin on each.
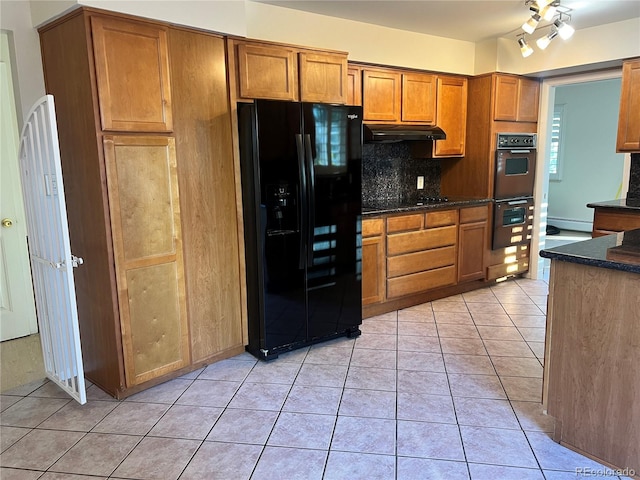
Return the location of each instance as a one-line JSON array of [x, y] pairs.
[[420, 182]]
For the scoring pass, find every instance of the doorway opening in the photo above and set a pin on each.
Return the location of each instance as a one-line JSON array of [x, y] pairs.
[[569, 192]]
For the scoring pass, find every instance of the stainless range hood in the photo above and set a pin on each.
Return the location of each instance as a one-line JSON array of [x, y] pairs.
[[401, 133]]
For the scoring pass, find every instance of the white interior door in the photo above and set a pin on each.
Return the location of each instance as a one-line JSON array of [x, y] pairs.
[[17, 307], [50, 253]]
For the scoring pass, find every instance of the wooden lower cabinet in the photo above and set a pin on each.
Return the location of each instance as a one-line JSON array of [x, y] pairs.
[[472, 243], [591, 379], [413, 258], [373, 261], [424, 258]]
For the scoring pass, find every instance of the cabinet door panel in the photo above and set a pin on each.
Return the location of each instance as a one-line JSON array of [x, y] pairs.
[[323, 78], [132, 73], [354, 86], [373, 271], [381, 95], [267, 72], [629, 119], [451, 116], [207, 184], [471, 248], [528, 100], [419, 98], [506, 98], [154, 333], [147, 246]]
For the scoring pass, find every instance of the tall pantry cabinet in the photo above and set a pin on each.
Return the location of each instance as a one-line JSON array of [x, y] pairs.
[[145, 138]]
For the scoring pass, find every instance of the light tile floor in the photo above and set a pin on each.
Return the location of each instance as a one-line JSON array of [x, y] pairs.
[[445, 390]]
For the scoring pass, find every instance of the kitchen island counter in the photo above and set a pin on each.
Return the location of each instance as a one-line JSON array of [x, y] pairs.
[[591, 382], [619, 251], [623, 203]]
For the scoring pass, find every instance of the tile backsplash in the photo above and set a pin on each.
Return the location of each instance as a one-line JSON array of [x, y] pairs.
[[634, 177], [390, 173]]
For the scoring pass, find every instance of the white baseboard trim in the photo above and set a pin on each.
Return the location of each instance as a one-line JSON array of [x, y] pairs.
[[568, 224]]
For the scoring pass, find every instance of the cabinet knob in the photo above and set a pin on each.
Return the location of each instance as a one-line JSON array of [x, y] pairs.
[[7, 223]]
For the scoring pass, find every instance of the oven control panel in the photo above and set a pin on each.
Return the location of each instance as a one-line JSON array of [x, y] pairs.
[[517, 140]]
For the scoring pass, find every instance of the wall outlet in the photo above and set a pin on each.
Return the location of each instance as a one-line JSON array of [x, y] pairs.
[[420, 182]]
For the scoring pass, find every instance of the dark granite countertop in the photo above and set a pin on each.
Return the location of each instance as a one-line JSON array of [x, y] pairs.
[[381, 207], [624, 203], [620, 251]]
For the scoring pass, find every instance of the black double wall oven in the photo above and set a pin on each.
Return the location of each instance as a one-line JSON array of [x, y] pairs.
[[513, 189]]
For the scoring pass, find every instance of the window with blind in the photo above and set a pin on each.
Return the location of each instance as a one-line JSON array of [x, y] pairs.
[[555, 151]]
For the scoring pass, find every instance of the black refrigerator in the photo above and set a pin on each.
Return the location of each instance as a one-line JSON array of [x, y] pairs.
[[301, 167]]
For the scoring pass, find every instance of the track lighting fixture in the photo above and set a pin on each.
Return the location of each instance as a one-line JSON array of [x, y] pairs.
[[545, 10]]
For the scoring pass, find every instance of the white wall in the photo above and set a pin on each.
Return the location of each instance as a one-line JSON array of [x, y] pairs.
[[592, 170], [364, 42], [225, 16], [15, 17]]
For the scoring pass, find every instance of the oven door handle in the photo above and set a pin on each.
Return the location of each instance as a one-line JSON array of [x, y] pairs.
[[517, 202], [520, 151]]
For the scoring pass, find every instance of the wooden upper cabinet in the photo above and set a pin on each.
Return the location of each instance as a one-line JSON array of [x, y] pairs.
[[418, 98], [528, 100], [323, 77], [516, 99], [381, 91], [282, 72], [451, 116], [267, 71], [132, 72], [506, 98], [354, 86], [629, 117], [147, 246]]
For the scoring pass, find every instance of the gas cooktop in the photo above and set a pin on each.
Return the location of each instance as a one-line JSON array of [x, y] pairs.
[[425, 200]]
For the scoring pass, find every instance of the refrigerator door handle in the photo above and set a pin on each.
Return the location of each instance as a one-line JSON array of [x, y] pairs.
[[302, 172], [311, 199]]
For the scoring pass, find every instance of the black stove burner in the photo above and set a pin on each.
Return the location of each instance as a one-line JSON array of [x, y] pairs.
[[423, 200]]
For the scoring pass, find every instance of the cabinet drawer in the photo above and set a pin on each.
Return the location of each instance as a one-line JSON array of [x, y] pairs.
[[419, 261], [502, 270], [404, 223], [372, 228], [473, 214], [420, 282], [422, 240], [615, 221], [441, 218]]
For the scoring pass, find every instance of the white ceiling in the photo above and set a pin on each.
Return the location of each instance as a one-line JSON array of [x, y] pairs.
[[470, 20]]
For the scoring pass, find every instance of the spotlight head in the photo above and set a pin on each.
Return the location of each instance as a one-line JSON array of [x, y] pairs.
[[525, 48]]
